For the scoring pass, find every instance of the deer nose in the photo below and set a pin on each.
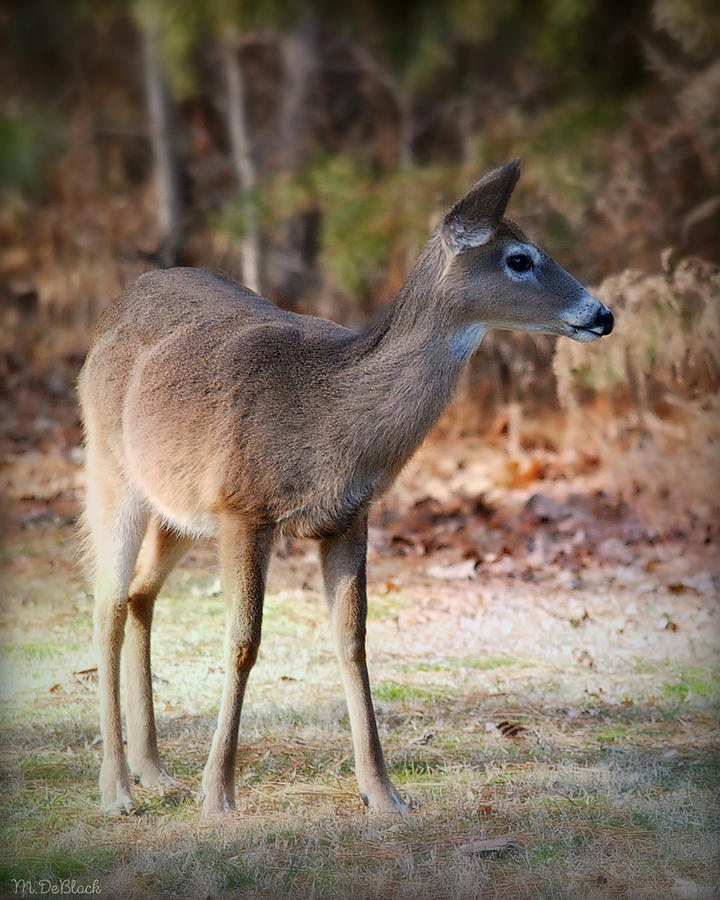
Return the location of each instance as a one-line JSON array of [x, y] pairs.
[[604, 320]]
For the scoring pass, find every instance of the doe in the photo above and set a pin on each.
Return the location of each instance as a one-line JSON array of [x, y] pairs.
[[208, 409]]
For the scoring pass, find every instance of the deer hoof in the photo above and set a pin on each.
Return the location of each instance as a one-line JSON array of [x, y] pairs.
[[119, 804], [386, 802], [220, 812], [217, 805], [154, 776], [167, 782]]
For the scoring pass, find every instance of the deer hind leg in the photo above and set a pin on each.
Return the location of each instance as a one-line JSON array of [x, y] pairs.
[[244, 557], [343, 565], [161, 550], [117, 518]]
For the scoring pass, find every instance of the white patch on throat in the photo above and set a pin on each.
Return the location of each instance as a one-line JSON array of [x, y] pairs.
[[464, 343]]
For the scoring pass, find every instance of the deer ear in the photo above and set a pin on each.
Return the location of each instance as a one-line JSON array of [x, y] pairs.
[[474, 218]]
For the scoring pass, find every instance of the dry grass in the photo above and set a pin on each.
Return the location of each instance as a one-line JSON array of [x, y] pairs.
[[646, 399], [606, 789]]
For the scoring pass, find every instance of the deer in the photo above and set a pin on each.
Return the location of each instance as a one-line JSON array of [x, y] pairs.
[[208, 410]]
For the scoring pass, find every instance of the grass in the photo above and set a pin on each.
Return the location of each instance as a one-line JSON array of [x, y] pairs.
[[694, 684], [608, 787], [466, 662]]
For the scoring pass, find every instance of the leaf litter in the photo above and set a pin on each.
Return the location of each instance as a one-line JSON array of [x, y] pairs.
[[531, 617]]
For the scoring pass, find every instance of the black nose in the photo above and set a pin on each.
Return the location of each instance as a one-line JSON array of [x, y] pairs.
[[604, 319]]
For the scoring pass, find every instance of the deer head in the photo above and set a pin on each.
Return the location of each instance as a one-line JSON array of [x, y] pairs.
[[496, 277]]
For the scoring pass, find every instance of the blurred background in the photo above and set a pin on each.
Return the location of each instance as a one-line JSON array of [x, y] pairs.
[[307, 149]]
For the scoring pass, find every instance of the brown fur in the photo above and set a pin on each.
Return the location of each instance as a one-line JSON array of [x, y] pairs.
[[206, 407]]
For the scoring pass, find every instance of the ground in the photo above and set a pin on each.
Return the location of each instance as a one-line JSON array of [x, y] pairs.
[[544, 674]]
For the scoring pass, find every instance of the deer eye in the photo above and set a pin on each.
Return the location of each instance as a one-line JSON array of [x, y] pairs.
[[520, 262]]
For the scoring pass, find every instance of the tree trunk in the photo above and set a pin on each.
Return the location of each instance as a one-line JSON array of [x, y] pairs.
[[165, 158], [405, 126], [294, 246], [298, 52], [243, 162]]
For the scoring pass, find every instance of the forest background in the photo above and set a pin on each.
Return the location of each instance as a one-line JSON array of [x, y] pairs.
[[549, 705], [307, 149]]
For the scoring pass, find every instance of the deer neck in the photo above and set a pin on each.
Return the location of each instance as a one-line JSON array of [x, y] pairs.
[[404, 371]]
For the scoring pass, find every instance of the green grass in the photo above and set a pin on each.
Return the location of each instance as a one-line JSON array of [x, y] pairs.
[[383, 606], [451, 664], [32, 651], [56, 864], [693, 685], [614, 776], [395, 691]]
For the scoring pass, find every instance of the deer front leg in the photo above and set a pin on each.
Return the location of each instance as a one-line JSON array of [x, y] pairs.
[[244, 556], [343, 565]]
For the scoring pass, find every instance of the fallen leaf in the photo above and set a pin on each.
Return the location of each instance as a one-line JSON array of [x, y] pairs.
[[504, 566], [86, 675], [577, 622], [455, 571], [498, 425], [510, 729], [543, 550], [614, 550], [520, 476], [496, 845], [423, 739], [548, 510]]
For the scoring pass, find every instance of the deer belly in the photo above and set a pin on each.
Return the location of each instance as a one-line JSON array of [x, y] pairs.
[[325, 514], [169, 456], [176, 491]]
